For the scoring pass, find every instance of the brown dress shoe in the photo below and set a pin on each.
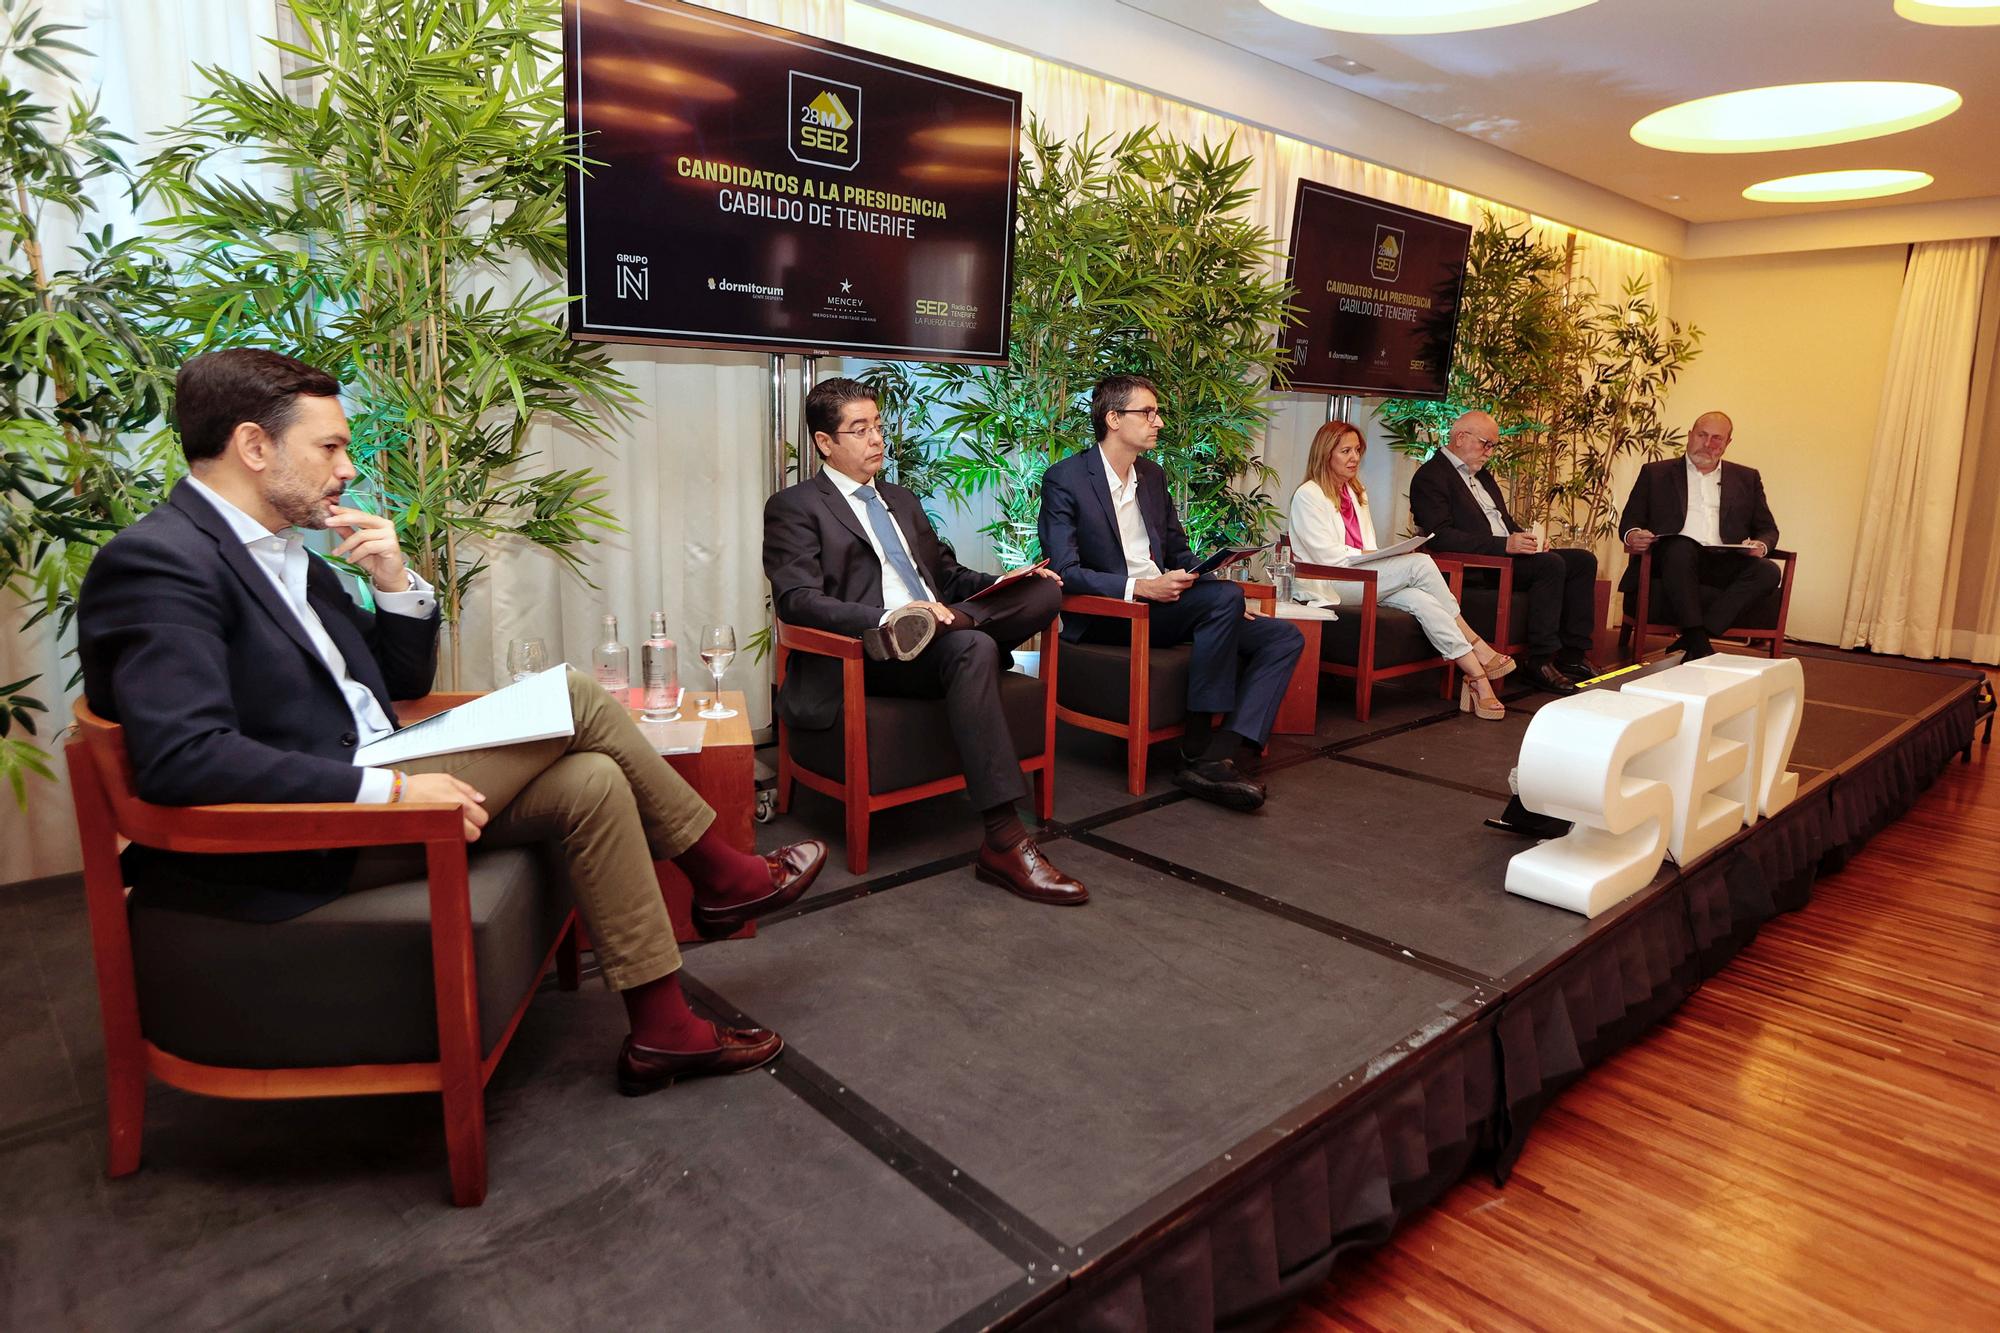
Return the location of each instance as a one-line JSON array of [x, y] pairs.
[[1023, 870], [906, 633], [793, 869], [642, 1069]]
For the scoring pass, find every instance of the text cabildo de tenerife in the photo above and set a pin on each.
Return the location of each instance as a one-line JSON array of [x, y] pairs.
[[783, 197]]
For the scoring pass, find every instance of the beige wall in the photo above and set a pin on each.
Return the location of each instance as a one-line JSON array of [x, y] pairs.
[[1794, 348]]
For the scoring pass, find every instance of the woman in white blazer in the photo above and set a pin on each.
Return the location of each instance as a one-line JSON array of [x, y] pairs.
[[1331, 526]]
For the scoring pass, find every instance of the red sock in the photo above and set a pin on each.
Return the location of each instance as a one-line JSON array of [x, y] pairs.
[[661, 1019], [721, 875]]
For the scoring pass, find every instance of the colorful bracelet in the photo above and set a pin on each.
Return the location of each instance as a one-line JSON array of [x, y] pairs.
[[395, 787]]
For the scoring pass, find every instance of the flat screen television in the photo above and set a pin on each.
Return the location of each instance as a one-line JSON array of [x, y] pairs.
[[752, 188], [1378, 289]]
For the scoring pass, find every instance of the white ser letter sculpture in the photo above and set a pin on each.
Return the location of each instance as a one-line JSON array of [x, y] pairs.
[[1782, 682], [1707, 763], [1573, 766]]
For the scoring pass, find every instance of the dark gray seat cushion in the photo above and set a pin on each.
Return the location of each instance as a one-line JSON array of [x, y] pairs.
[[1398, 638], [1480, 605], [1096, 678], [910, 740], [347, 983], [1760, 614]]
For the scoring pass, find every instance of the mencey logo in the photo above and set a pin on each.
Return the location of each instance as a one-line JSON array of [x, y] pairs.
[[1388, 252], [824, 119]]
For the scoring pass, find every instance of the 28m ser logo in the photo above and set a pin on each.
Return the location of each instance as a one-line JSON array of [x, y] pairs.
[[933, 307], [825, 121]]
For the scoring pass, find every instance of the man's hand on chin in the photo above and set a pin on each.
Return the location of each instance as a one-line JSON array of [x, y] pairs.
[[369, 541]]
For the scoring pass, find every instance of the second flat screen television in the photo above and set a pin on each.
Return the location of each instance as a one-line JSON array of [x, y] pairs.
[[1378, 292]]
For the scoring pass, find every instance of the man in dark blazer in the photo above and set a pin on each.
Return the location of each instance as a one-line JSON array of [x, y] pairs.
[[241, 670], [853, 555], [1455, 499], [1109, 530], [1685, 510]]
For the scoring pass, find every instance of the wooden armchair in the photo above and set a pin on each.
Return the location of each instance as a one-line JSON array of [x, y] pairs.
[[1141, 697], [1497, 622], [885, 752], [507, 897], [1765, 619], [1373, 642]]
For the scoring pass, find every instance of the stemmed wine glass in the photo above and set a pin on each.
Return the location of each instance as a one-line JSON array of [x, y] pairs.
[[718, 649]]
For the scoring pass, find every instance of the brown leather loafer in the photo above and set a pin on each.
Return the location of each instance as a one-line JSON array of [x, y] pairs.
[[793, 869], [907, 632], [642, 1070], [1023, 870]]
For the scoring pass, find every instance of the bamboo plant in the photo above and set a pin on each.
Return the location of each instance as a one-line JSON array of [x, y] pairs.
[[1131, 255], [84, 363], [402, 228]]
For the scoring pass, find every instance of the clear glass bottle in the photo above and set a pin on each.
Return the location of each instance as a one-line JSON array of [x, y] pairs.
[[659, 661], [614, 660], [1282, 570]]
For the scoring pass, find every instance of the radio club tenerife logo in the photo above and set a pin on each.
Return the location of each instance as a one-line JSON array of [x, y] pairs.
[[825, 122], [1388, 252]]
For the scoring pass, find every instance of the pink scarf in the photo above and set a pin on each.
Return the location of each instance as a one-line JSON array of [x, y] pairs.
[[1353, 517]]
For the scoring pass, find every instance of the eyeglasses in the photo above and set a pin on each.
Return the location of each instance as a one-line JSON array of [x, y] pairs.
[[1481, 441], [1151, 414], [864, 432]]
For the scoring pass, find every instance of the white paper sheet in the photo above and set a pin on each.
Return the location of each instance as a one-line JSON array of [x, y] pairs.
[[1405, 545], [534, 709]]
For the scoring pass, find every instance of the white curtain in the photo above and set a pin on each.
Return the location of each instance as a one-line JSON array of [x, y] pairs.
[[687, 473], [1896, 599]]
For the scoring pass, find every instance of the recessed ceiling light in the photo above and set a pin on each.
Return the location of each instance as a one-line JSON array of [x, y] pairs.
[[1671, 198], [1417, 16], [1794, 115], [1345, 64], [1950, 13], [1818, 187]]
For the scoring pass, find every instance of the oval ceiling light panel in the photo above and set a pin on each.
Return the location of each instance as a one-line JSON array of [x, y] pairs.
[[1950, 13], [1819, 187], [1417, 16], [1794, 115]]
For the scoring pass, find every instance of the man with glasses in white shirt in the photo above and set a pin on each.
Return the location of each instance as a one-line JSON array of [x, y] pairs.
[[1454, 498]]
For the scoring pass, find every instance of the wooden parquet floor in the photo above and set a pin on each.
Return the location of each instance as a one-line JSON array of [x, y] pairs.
[[1811, 1142]]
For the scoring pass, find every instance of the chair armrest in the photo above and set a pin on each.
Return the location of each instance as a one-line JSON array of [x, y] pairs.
[[824, 643], [1786, 556], [410, 711], [285, 828], [1089, 604], [1337, 573], [1469, 558]]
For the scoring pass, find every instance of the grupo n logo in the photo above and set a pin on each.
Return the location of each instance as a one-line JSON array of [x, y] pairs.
[[1388, 252], [825, 121]]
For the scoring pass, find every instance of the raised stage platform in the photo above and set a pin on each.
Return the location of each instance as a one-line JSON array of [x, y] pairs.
[[1266, 1040]]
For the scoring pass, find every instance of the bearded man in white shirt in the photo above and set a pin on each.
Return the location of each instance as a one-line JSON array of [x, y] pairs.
[[1710, 531]]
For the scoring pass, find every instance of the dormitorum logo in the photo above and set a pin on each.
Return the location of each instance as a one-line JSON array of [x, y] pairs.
[[1388, 252], [825, 122]]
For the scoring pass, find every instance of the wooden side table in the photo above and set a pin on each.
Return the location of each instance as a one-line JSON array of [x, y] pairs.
[[1298, 711], [723, 773]]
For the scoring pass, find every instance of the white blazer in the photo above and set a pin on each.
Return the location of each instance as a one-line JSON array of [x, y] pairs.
[[1319, 537]]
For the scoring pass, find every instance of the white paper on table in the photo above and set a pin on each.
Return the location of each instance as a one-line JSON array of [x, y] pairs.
[[680, 737], [1400, 548], [534, 709]]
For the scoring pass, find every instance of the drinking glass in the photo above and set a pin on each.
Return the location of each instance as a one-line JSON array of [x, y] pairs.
[[525, 657], [718, 649]]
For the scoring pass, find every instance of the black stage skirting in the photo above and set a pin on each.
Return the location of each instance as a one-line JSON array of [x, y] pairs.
[[1266, 1041]]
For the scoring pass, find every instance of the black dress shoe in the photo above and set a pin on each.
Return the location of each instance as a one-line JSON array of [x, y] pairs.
[[1220, 781], [642, 1069], [907, 632], [1578, 669], [793, 869], [1023, 870], [1692, 645], [1548, 677]]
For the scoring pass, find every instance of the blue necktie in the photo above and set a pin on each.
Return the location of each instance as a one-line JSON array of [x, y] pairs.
[[892, 543]]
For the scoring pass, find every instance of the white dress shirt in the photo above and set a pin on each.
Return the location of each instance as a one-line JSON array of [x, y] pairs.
[[282, 556], [1132, 535], [894, 592], [1495, 520], [1704, 515]]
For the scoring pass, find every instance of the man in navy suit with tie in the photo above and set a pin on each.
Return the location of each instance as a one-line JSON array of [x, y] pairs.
[[1108, 530], [851, 554]]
